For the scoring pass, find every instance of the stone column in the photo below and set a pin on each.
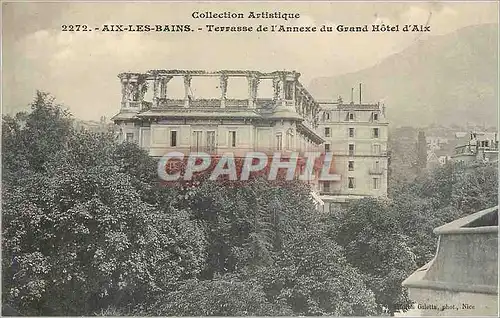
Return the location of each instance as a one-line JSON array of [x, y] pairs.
[[253, 85], [282, 89], [163, 87], [163, 82], [297, 104], [223, 90], [132, 88], [156, 83], [187, 87], [142, 87], [314, 116], [276, 88], [250, 90], [125, 94]]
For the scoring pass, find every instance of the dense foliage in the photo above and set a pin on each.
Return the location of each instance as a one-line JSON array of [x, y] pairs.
[[76, 234], [377, 246], [88, 230]]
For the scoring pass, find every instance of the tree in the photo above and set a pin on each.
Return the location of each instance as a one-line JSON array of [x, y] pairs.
[[441, 196], [89, 229], [39, 134], [80, 237], [29, 140], [417, 218], [245, 222], [221, 296], [374, 244], [475, 188], [312, 276], [421, 152], [436, 185], [403, 158]]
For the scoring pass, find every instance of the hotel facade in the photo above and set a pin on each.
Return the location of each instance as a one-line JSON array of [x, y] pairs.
[[286, 120]]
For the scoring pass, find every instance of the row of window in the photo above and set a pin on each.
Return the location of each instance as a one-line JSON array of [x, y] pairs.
[[350, 116], [350, 165], [351, 131], [197, 138], [375, 149], [210, 139], [486, 143], [351, 184]]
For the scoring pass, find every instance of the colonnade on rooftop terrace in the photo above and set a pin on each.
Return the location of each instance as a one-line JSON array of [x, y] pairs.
[[287, 91]]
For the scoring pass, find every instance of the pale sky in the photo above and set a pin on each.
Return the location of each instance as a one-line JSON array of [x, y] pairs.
[[80, 69]]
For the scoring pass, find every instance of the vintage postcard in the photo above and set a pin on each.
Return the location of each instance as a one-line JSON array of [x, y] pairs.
[[250, 158]]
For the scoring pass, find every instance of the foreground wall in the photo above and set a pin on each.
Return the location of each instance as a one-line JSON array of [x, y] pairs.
[[462, 279]]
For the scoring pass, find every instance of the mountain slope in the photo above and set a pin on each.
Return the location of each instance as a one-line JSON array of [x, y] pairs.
[[445, 79]]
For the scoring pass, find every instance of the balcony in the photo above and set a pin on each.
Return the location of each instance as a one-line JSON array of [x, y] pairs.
[[462, 278], [166, 102], [237, 103], [269, 151], [211, 150], [264, 102], [146, 105], [134, 104], [310, 125], [330, 192], [376, 171], [205, 103], [353, 106]]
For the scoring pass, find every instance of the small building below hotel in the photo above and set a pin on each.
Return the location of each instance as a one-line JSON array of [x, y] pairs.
[[479, 147]]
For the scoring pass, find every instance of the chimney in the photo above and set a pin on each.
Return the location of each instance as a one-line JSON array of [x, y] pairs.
[[352, 95]]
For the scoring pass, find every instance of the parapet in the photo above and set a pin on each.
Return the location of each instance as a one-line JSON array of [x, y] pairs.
[[462, 279]]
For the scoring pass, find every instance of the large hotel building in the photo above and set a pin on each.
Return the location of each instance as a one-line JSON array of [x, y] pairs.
[[277, 114]]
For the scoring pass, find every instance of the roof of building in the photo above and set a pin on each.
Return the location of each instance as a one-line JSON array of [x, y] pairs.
[[432, 157], [341, 198], [336, 105], [124, 115], [234, 73], [198, 113]]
